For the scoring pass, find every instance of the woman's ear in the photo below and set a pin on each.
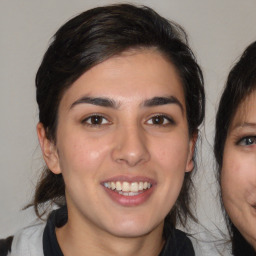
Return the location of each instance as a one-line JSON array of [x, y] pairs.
[[49, 150], [192, 146]]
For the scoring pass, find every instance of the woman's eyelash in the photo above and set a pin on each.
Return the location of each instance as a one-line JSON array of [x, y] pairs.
[[247, 141], [160, 119]]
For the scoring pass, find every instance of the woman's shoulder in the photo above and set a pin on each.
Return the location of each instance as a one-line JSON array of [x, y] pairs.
[[183, 243], [177, 244], [27, 241]]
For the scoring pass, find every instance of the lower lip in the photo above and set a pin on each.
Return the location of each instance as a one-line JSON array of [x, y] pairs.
[[130, 200]]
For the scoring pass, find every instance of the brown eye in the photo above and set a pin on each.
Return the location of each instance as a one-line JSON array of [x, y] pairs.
[[160, 120], [95, 120]]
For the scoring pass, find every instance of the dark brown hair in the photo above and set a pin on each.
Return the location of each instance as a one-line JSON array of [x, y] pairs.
[[94, 36], [240, 84]]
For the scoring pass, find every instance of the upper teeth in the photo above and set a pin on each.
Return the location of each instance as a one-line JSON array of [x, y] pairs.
[[127, 187]]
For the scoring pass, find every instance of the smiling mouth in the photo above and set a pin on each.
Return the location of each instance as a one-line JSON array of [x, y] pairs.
[[128, 188]]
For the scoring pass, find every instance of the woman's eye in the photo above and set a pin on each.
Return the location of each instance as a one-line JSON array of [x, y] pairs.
[[247, 141], [160, 120], [95, 120]]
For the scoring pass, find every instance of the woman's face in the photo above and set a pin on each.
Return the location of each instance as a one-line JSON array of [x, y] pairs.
[[238, 177], [123, 145]]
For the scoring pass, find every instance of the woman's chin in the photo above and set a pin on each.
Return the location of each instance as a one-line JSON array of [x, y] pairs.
[[132, 230]]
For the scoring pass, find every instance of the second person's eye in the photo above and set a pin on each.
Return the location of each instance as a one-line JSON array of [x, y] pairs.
[[247, 141]]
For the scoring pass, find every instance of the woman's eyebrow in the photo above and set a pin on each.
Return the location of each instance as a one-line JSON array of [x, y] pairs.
[[98, 101], [158, 101], [110, 103], [243, 124]]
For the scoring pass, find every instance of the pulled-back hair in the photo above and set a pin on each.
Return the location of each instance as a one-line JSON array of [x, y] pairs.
[[91, 38], [240, 84]]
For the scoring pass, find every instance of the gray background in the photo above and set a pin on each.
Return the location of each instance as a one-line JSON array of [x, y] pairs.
[[218, 31]]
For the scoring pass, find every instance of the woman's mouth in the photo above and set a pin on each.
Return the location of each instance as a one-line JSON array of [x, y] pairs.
[[129, 192], [128, 188]]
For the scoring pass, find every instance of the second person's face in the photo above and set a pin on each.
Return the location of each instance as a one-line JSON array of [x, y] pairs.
[[238, 177], [123, 145]]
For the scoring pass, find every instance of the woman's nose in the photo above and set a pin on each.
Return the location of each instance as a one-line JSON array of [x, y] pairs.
[[130, 147]]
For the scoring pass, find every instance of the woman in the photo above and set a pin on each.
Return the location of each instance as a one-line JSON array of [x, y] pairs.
[[120, 99], [235, 152]]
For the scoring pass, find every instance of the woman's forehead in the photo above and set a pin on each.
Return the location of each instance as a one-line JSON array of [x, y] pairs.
[[139, 75]]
